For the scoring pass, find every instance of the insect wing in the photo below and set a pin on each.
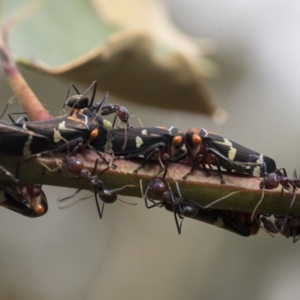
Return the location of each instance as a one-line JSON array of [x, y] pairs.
[[8, 201], [139, 140], [59, 129], [229, 150], [19, 142], [224, 221]]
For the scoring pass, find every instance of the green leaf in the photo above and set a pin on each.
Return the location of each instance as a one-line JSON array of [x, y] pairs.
[[152, 65]]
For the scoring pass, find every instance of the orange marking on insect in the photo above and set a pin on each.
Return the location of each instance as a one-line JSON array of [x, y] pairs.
[[39, 209], [94, 134], [196, 140], [177, 140]]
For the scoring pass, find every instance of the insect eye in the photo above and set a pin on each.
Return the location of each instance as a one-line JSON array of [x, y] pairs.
[[39, 209], [196, 140], [177, 140], [94, 134]]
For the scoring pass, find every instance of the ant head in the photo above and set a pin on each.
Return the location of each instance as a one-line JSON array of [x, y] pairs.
[[271, 181]]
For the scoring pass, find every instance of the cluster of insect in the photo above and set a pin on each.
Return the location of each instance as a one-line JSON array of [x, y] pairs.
[[83, 127]]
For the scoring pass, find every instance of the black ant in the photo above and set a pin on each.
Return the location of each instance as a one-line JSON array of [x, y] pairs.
[[74, 165], [276, 178], [181, 207], [81, 101], [289, 226]]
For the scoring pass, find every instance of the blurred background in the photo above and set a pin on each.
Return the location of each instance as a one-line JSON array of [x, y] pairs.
[[135, 253]]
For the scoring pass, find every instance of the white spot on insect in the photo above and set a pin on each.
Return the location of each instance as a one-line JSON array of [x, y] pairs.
[[232, 151], [138, 141], [170, 129], [107, 124], [62, 125], [7, 173], [2, 196], [26, 148], [206, 133], [260, 159], [257, 169], [24, 126], [144, 132], [57, 136], [108, 145], [219, 222]]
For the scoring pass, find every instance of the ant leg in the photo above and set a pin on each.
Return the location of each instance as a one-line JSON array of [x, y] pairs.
[[100, 210], [57, 169], [7, 173], [123, 187], [95, 168], [108, 162], [10, 101], [139, 120], [77, 141], [67, 96], [295, 239], [69, 197], [125, 140], [269, 226], [99, 105], [165, 169], [220, 199], [114, 122], [258, 203], [289, 208], [176, 216], [94, 84]]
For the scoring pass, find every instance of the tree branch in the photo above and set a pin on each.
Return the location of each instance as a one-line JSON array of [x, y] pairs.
[[198, 188]]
